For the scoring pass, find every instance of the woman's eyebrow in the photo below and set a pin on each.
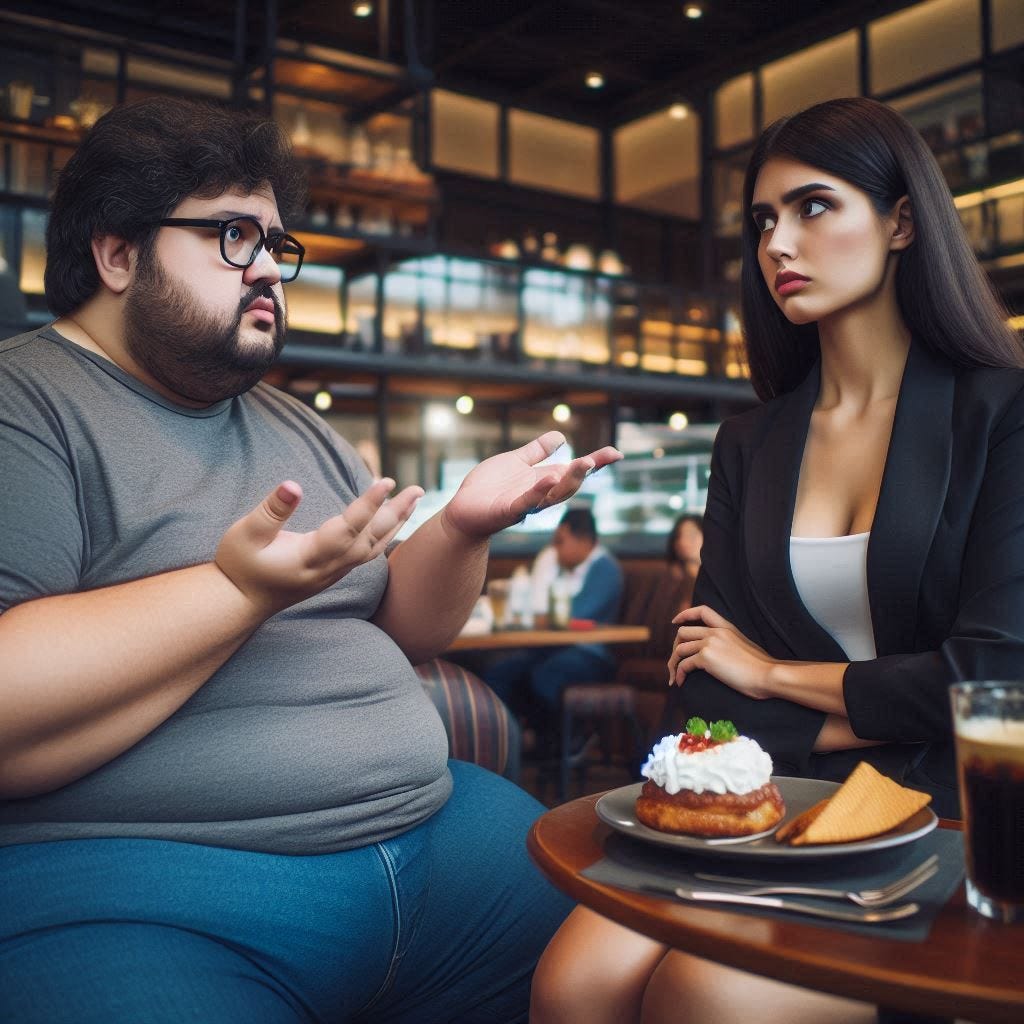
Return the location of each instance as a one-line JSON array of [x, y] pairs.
[[793, 193]]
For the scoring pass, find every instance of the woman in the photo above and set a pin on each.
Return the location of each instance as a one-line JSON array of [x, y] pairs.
[[864, 534], [684, 543]]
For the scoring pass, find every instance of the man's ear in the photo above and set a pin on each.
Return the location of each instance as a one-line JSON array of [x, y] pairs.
[[903, 234], [115, 261]]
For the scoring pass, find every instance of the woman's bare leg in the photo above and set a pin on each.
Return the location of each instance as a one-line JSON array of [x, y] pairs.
[[593, 971], [686, 989]]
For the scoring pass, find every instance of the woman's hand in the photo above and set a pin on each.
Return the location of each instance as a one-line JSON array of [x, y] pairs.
[[708, 641], [503, 489], [275, 568]]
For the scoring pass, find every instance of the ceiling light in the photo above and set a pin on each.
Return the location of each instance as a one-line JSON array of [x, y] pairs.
[[693, 11], [438, 420], [678, 421], [322, 400], [594, 80], [561, 413], [362, 8], [679, 111], [464, 404]]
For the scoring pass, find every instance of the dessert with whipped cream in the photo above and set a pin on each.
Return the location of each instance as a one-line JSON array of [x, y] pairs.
[[709, 781]]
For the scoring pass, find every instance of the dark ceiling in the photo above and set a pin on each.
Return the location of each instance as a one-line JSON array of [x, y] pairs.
[[531, 53]]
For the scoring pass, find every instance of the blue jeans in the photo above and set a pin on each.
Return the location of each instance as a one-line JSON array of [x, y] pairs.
[[442, 923], [538, 677]]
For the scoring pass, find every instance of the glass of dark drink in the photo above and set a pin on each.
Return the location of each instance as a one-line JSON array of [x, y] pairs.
[[988, 719]]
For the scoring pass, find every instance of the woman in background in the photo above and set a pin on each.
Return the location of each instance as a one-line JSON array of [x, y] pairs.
[[864, 532], [684, 544]]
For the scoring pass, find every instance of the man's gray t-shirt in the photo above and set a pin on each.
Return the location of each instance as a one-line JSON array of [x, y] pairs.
[[316, 735]]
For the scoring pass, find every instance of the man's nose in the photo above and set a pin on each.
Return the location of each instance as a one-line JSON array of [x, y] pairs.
[[262, 269]]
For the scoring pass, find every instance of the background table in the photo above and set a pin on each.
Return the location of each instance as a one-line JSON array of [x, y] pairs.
[[968, 967], [509, 639]]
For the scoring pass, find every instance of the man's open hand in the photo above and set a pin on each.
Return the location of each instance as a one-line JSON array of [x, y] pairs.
[[276, 568]]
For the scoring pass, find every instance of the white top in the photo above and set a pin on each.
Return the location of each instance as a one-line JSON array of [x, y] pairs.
[[546, 570], [831, 577]]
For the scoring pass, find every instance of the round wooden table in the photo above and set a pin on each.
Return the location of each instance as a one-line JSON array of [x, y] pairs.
[[968, 967], [515, 639]]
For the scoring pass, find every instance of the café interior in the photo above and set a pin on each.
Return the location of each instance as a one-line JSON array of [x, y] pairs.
[[521, 217]]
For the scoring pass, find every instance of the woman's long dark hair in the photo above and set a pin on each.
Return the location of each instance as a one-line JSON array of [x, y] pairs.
[[944, 296]]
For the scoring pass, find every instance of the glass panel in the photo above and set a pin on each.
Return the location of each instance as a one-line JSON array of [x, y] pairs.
[[464, 133], [664, 472], [823, 72], [728, 173], [360, 312], [923, 40], [179, 78], [443, 305], [947, 116], [734, 112], [657, 163], [314, 299], [317, 130], [556, 155], [33, 251], [1007, 24], [566, 317]]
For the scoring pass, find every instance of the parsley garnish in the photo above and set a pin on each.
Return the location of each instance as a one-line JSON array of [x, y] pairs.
[[696, 726], [723, 731]]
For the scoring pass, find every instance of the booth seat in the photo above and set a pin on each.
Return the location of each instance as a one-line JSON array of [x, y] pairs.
[[480, 727]]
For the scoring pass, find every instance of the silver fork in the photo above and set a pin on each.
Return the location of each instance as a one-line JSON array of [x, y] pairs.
[[879, 897], [877, 915]]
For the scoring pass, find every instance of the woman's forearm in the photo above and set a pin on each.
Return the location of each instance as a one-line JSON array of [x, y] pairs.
[[86, 676], [814, 684]]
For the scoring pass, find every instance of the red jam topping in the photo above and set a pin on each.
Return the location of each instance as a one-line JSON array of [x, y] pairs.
[[689, 744]]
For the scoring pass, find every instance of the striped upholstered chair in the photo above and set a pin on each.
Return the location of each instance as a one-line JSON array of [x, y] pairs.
[[480, 728]]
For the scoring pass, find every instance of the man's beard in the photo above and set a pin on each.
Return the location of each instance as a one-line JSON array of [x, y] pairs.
[[190, 351]]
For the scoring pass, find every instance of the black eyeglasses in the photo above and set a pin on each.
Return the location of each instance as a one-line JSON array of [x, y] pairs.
[[242, 238]]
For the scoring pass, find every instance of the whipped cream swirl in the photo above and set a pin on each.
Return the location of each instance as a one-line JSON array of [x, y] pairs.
[[739, 766]]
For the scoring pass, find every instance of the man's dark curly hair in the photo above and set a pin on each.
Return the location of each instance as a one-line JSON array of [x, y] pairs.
[[138, 162]]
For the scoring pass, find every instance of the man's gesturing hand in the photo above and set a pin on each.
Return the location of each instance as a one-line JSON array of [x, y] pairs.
[[275, 568], [504, 488]]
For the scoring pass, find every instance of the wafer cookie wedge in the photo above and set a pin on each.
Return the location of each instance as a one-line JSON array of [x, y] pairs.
[[865, 805], [788, 832]]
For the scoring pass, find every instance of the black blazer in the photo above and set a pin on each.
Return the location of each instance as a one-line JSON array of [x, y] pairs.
[[945, 571]]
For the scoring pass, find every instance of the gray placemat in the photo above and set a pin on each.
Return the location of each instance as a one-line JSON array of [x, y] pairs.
[[630, 864]]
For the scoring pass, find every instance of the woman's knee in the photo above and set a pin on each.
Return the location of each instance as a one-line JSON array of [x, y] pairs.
[[594, 970]]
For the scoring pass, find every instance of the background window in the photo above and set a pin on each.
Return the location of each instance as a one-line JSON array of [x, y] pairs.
[[823, 72], [551, 154]]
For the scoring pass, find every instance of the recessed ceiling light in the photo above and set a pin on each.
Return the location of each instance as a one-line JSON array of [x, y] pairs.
[[678, 421], [561, 413], [362, 8], [594, 80], [323, 400], [693, 11], [464, 404], [679, 112]]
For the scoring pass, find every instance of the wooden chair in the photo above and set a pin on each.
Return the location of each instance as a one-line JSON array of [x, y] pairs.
[[480, 727]]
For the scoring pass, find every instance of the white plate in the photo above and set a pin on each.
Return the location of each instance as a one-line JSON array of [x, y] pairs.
[[618, 809]]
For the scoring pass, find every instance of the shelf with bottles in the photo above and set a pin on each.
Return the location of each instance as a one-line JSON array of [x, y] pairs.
[[474, 311]]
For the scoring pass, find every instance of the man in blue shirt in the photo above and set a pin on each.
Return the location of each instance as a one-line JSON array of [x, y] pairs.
[[532, 681]]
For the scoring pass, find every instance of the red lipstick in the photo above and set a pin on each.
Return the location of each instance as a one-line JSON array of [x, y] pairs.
[[787, 282]]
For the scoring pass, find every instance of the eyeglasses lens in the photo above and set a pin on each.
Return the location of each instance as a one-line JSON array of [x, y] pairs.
[[241, 238]]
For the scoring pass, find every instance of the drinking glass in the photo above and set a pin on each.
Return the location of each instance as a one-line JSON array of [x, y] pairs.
[[988, 720], [497, 591]]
